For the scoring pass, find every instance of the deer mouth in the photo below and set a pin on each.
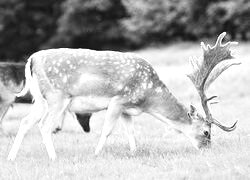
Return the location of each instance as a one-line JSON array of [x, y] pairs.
[[204, 144]]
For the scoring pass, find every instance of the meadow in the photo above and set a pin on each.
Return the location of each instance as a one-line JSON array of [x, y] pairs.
[[161, 152]]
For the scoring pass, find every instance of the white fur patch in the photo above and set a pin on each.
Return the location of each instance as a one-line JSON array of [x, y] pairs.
[[65, 79], [158, 89], [86, 77], [150, 84], [144, 85], [85, 104]]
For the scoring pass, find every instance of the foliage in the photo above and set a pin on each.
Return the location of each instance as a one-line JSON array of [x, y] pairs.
[[231, 16], [30, 25], [155, 20], [25, 25], [89, 23]]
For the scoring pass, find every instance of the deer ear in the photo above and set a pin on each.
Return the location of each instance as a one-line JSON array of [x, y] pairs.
[[192, 112]]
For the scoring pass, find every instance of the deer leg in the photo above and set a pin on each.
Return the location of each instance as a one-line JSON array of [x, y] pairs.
[[3, 112], [45, 125], [37, 111], [60, 123], [129, 128], [112, 115]]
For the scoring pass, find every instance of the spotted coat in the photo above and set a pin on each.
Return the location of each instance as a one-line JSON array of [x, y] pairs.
[[101, 73]]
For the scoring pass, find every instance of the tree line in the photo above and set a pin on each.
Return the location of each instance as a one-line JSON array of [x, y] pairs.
[[29, 25]]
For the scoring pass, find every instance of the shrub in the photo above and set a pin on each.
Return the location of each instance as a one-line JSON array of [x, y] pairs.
[[89, 23], [155, 20], [25, 25]]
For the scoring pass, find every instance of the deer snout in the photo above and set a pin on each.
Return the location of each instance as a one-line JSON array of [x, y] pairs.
[[204, 145], [205, 142], [201, 142]]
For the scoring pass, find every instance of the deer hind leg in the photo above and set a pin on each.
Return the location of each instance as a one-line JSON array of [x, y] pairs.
[[112, 115], [60, 123], [38, 110], [6, 100], [56, 110], [129, 128], [3, 110]]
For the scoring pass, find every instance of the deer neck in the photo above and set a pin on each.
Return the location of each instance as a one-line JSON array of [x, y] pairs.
[[166, 105]]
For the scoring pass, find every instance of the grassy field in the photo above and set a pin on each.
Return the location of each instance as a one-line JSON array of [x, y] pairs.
[[161, 154]]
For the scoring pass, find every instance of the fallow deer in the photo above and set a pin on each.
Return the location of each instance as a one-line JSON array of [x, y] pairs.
[[83, 80], [12, 81]]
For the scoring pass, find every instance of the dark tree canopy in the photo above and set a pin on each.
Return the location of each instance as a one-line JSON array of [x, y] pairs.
[[25, 25], [91, 24], [30, 25]]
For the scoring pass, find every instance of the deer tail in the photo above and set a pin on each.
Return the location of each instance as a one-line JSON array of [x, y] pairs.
[[28, 79]]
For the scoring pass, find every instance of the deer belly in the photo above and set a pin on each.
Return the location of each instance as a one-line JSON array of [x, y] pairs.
[[92, 85], [88, 104]]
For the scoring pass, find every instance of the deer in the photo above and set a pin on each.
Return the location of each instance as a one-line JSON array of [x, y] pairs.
[[12, 81], [123, 84]]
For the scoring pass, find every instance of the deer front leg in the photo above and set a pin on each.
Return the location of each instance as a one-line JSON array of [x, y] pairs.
[[129, 128], [112, 115]]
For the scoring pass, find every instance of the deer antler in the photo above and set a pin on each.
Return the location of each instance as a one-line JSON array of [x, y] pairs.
[[215, 60]]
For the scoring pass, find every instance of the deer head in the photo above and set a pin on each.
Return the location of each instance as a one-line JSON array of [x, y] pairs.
[[215, 60]]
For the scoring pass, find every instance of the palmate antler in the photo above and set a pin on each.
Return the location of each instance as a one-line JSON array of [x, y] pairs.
[[215, 60]]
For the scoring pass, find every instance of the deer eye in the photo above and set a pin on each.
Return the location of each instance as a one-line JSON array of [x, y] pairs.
[[206, 133]]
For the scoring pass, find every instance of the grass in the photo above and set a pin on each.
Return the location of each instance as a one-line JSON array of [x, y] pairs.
[[161, 154]]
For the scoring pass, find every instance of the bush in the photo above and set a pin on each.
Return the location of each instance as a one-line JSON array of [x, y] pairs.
[[152, 20], [222, 15], [25, 25], [230, 16], [90, 24], [30, 25]]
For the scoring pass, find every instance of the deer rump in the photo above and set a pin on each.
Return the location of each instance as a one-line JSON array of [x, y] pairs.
[[12, 78]]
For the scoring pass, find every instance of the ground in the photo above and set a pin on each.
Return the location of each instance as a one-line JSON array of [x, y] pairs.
[[162, 153]]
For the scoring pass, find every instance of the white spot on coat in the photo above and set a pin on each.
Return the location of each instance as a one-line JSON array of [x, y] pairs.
[[56, 70], [158, 89], [144, 85], [65, 79], [150, 84]]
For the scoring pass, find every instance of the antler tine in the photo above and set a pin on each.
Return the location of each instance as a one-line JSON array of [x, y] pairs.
[[225, 128], [219, 39], [208, 69], [209, 99]]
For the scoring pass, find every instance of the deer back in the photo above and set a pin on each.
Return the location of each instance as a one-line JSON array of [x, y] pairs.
[[83, 72]]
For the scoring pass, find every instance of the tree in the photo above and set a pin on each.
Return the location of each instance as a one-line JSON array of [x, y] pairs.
[[89, 24], [25, 25], [155, 21]]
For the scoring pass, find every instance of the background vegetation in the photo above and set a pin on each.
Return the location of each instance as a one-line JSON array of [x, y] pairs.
[[29, 25]]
